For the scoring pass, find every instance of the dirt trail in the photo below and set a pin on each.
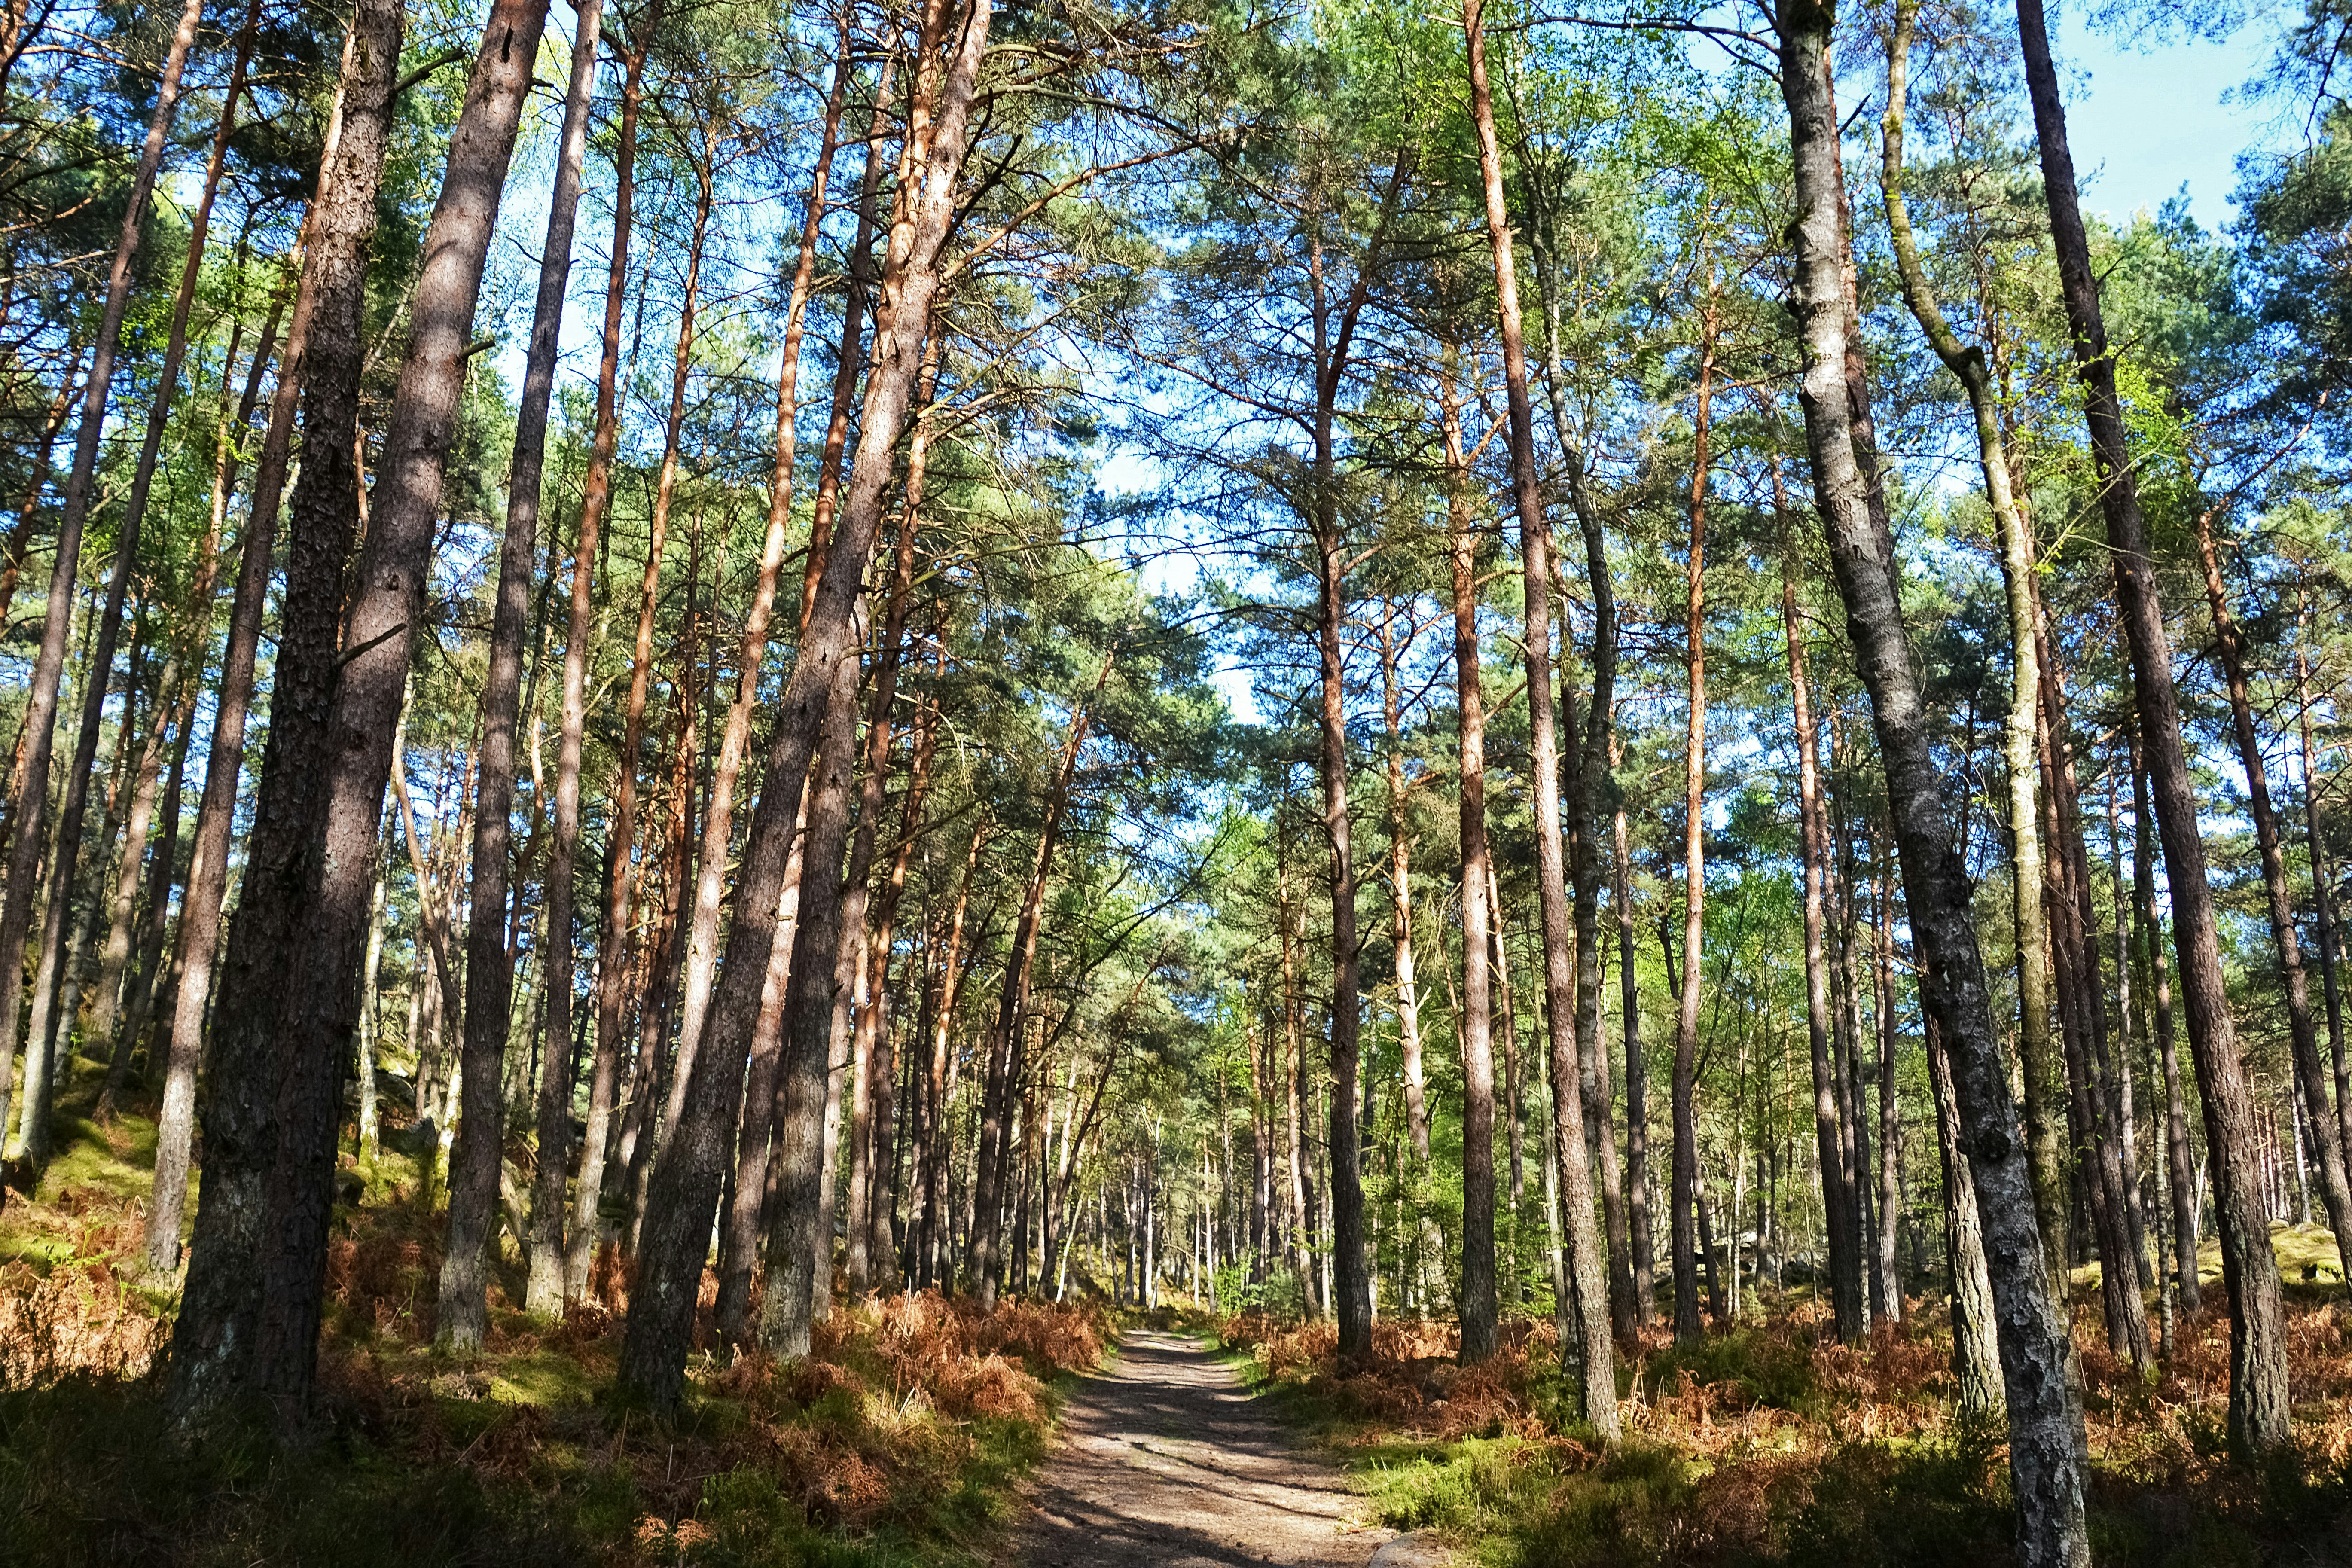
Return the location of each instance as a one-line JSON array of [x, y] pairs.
[[1166, 1461]]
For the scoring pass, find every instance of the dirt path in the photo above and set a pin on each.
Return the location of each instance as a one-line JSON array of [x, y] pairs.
[[1165, 1461]]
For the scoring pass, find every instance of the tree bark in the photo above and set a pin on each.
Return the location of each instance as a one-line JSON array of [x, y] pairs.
[[2178, 1162], [1408, 985], [1890, 1114], [612, 1000], [1476, 1306], [1848, 1306], [1637, 1077], [932, 1251], [1587, 1267], [463, 1311], [2323, 899], [167, 378], [1013, 999], [2048, 1448], [321, 1006], [1688, 1327], [1976, 1353], [543, 1290], [1590, 782], [595, 496], [214, 1350], [20, 533], [859, 997]]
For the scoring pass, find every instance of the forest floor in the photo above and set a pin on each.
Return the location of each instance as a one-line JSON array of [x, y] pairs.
[[1166, 1461], [901, 1443], [1771, 1443]]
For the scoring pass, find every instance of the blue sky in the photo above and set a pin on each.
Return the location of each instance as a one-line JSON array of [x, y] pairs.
[[2146, 120]]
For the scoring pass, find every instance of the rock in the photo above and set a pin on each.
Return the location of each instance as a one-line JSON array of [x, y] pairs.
[[1415, 1549]]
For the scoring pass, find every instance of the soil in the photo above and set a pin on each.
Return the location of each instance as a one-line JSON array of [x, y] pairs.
[[1166, 1461]]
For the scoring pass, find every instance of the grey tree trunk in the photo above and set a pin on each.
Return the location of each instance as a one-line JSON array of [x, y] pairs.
[[1975, 1352], [1685, 1194], [742, 1221], [1477, 1305], [2303, 1032], [1012, 1005], [320, 1009], [2180, 1163], [1591, 782], [1637, 1078], [213, 1346], [1965, 362], [2048, 1450], [2323, 899]]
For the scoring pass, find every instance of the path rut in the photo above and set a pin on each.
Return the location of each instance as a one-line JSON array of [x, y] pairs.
[[1166, 1461]]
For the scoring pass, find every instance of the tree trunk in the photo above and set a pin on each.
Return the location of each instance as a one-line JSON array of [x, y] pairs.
[[1967, 363], [612, 1001], [1476, 1306], [854, 1000], [654, 1352], [386, 607], [2258, 1420], [878, 1049], [1408, 985], [1586, 1266], [48, 665], [751, 1165], [847, 358], [939, 1082], [174, 705], [2323, 899], [1890, 1115], [213, 1340], [1687, 1328], [1591, 781], [1637, 1078], [2080, 981], [1976, 1354], [1828, 1140], [543, 1290], [20, 534], [1013, 999], [2048, 1450], [464, 1310], [2179, 1161], [595, 494], [719, 820]]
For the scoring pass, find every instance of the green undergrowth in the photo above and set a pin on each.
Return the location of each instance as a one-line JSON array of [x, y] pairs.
[[1766, 1448], [898, 1444]]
